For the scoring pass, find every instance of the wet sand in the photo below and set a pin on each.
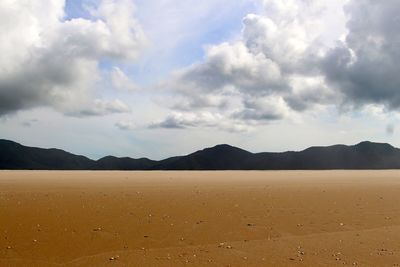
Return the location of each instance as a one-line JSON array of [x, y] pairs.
[[277, 218]]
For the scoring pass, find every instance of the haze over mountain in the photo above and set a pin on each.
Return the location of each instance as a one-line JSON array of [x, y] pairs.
[[365, 155]]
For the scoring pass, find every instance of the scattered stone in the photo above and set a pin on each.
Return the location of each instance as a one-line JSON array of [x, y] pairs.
[[250, 224], [145, 236], [8, 247], [114, 258], [97, 229], [292, 259], [341, 224], [34, 240]]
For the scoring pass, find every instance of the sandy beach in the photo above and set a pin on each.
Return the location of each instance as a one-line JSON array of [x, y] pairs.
[[276, 218]]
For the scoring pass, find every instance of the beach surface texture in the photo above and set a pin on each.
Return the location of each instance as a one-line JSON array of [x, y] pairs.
[[223, 218]]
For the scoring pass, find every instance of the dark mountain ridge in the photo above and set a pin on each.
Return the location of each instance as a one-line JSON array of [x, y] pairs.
[[365, 155]]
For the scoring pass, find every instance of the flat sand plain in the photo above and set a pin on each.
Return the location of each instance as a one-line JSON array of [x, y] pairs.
[[271, 218]]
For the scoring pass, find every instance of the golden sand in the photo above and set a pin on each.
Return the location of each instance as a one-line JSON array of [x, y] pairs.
[[284, 218]]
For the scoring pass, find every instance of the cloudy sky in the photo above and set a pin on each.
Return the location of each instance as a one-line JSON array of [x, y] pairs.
[[158, 78]]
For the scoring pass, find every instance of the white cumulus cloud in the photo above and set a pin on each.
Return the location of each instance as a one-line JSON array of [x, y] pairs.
[[270, 73], [50, 61]]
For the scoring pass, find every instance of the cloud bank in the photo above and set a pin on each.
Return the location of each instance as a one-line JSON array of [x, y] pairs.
[[281, 67], [267, 75], [50, 61]]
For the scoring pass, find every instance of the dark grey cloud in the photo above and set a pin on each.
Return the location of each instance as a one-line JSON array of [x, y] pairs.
[[171, 123], [101, 108], [48, 79], [178, 120], [257, 115], [262, 109], [365, 68], [317, 93], [187, 120]]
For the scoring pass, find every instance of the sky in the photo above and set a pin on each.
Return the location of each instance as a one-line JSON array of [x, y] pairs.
[[159, 78]]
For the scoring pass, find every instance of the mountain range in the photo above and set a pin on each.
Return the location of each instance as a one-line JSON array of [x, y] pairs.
[[365, 155]]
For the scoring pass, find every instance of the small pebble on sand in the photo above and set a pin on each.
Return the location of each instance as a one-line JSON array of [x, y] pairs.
[[114, 258]]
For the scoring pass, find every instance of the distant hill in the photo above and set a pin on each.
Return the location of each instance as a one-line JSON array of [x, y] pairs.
[[114, 163], [16, 156], [220, 157], [365, 155]]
